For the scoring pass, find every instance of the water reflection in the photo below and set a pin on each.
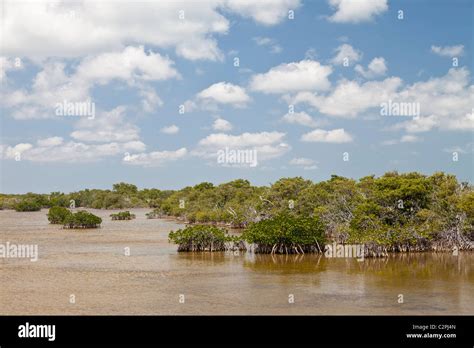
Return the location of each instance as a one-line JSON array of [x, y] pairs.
[[150, 279], [285, 264]]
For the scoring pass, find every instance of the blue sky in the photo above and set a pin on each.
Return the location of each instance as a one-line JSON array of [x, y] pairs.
[[335, 63]]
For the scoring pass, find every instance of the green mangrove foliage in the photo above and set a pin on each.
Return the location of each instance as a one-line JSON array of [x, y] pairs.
[[155, 214], [58, 215], [286, 234], [397, 212], [27, 205], [205, 238], [82, 219], [123, 215]]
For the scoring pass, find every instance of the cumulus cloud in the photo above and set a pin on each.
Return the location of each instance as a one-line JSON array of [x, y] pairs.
[[47, 142], [266, 12], [173, 129], [324, 136], [154, 159], [221, 125], [448, 51], [11, 152], [349, 98], [305, 163], [376, 68], [268, 145], [224, 93], [150, 100], [301, 118], [70, 152], [292, 77], [346, 52], [42, 29], [445, 103], [74, 29], [350, 11], [52, 85], [109, 126], [130, 64]]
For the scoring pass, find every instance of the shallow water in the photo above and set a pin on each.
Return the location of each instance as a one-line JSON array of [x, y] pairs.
[[92, 266]]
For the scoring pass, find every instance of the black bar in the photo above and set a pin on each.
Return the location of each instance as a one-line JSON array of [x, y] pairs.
[[224, 330]]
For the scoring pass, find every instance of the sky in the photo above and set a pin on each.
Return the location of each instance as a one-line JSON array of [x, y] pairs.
[[170, 94]]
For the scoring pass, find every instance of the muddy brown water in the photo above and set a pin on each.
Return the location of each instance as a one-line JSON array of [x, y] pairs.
[[92, 266]]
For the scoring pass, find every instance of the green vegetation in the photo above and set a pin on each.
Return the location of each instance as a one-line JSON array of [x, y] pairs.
[[155, 214], [123, 215], [27, 205], [395, 212], [204, 238], [82, 219], [286, 234], [58, 215]]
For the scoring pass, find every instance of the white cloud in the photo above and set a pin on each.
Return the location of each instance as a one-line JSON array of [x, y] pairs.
[[408, 138], [12, 152], [41, 29], [301, 118], [350, 11], [106, 127], [7, 64], [445, 103], [305, 163], [448, 51], [376, 68], [150, 100], [221, 125], [268, 42], [70, 152], [173, 129], [302, 161], [156, 158], [324, 136], [350, 98], [266, 12], [292, 77], [75, 29], [200, 50], [418, 125], [224, 93], [267, 144], [49, 87], [131, 64], [47, 142], [52, 85], [346, 52]]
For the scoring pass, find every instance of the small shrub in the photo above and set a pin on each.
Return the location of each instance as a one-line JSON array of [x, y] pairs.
[[58, 215], [286, 234], [123, 215], [82, 219], [155, 214], [204, 238]]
